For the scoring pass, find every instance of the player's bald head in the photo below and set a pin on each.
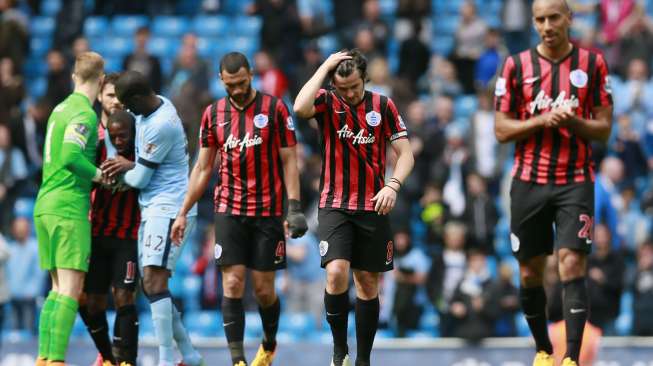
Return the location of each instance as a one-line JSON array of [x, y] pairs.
[[562, 5], [132, 83]]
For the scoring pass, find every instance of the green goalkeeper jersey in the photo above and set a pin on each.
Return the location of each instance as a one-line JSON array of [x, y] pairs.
[[68, 157]]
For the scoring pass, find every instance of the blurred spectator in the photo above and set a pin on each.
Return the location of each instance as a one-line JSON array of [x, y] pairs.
[[28, 133], [635, 44], [474, 308], [24, 285], [447, 270], [144, 62], [507, 297], [189, 69], [281, 30], [69, 24], [59, 78], [414, 56], [14, 37], [379, 77], [642, 287], [607, 201], [489, 61], [484, 145], [315, 16], [413, 9], [434, 214], [272, 79], [80, 45], [204, 266], [379, 28], [469, 44], [442, 78], [347, 15], [634, 225], [605, 278], [636, 95], [13, 170], [452, 168], [628, 149], [364, 42], [4, 287], [12, 90], [410, 273], [304, 285], [516, 24], [481, 215]]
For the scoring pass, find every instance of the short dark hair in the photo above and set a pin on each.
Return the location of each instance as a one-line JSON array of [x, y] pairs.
[[233, 61], [133, 83], [347, 67], [121, 116], [110, 79]]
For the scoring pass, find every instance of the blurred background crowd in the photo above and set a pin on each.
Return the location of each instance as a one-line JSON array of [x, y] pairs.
[[454, 274]]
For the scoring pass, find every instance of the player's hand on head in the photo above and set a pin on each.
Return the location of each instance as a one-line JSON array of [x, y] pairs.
[[178, 229], [384, 200], [334, 59]]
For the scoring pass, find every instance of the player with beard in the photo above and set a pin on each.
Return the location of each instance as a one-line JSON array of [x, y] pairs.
[[553, 100], [253, 137]]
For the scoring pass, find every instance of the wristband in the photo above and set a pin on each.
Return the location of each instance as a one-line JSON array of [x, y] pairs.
[[294, 205], [396, 191]]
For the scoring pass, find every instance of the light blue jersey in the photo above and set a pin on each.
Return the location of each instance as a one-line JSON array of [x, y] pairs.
[[161, 145]]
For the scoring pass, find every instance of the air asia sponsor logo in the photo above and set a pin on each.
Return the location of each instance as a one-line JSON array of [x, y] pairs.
[[247, 141], [543, 102], [359, 138]]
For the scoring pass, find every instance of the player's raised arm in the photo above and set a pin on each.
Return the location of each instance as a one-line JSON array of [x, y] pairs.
[[75, 139], [303, 106]]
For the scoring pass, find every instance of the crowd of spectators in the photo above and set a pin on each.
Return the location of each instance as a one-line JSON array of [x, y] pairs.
[[452, 240]]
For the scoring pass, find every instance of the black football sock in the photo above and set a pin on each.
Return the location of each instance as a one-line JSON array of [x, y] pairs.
[[533, 303], [337, 311], [233, 319], [576, 309], [125, 335], [367, 321], [98, 329], [270, 320]]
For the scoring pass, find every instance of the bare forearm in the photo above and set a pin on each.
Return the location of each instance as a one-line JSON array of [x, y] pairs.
[[404, 166], [303, 106], [508, 129], [592, 129], [291, 179], [198, 182]]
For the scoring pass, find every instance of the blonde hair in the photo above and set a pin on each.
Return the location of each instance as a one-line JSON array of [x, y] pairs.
[[89, 66]]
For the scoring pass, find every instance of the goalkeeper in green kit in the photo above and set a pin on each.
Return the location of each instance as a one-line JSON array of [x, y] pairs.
[[61, 214]]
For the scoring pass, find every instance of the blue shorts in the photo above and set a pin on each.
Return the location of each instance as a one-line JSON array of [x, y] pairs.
[[155, 248]]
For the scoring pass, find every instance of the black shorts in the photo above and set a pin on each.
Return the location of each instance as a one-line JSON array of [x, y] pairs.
[[114, 262], [361, 237], [257, 242], [548, 216]]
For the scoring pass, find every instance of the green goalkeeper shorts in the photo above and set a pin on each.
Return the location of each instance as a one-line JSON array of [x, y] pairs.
[[63, 243]]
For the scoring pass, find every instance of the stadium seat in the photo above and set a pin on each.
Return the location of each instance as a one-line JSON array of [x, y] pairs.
[[41, 26], [37, 87], [388, 7], [115, 46], [206, 323], [445, 26], [126, 25], [113, 64], [35, 67], [328, 44], [248, 26], [522, 325], [298, 323], [191, 292], [465, 106], [236, 7], [39, 46], [95, 26], [429, 320], [217, 88], [50, 7], [164, 47], [208, 46], [253, 326], [442, 45], [211, 25], [246, 45], [170, 26]]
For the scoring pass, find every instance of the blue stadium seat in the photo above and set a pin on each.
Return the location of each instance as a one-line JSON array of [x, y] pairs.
[[429, 320], [115, 46], [253, 327], [442, 45], [39, 46], [37, 87], [35, 67], [164, 47], [191, 292], [207, 323], [41, 26], [113, 64], [246, 45], [248, 26], [465, 106], [216, 88], [236, 7], [328, 44], [445, 26], [298, 323], [170, 26], [126, 25], [388, 7], [211, 25], [50, 7], [95, 26], [208, 46], [522, 325]]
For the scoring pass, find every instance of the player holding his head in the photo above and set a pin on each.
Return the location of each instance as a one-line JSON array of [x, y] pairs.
[[115, 216], [161, 174], [253, 136], [61, 219], [354, 231], [553, 101]]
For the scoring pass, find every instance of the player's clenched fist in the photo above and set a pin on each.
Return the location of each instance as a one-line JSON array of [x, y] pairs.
[[296, 221]]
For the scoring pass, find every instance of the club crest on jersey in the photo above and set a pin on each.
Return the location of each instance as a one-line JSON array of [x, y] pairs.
[[324, 248], [608, 85], [402, 125], [290, 124], [235, 142], [578, 78], [543, 102], [217, 251], [150, 148], [260, 120], [500, 87], [373, 118], [514, 242], [359, 138]]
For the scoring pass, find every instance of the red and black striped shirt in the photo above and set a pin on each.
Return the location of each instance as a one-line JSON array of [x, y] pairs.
[[250, 177], [114, 215], [354, 144], [529, 85]]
